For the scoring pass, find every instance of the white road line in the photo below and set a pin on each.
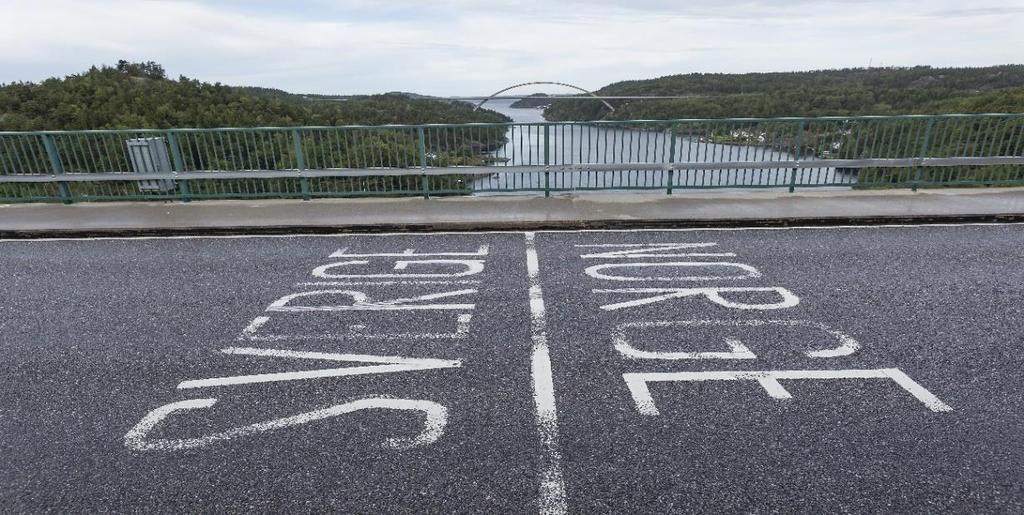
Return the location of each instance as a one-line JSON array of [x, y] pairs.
[[846, 344], [382, 283], [712, 294], [769, 380], [595, 271], [552, 485], [481, 251], [448, 233], [362, 302], [650, 250], [356, 332], [255, 325], [473, 267], [382, 365]]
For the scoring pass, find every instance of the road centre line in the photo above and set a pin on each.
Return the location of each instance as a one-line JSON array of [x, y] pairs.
[[552, 499]]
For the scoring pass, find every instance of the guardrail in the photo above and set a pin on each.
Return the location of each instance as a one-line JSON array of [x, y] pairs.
[[483, 159]]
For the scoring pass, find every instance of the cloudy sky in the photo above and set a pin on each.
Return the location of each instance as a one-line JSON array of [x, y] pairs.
[[468, 47]]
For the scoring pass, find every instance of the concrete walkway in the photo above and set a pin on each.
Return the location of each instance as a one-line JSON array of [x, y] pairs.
[[740, 208]]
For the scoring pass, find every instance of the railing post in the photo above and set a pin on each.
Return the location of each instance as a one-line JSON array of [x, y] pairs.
[[179, 165], [56, 166], [923, 154], [300, 163], [799, 154], [547, 161], [424, 181], [672, 157]]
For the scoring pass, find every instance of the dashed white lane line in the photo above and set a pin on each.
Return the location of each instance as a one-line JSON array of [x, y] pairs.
[[552, 485]]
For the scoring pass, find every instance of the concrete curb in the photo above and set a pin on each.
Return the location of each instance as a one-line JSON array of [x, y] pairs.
[[511, 226]]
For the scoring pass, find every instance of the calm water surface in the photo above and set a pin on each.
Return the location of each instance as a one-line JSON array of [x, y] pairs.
[[603, 144]]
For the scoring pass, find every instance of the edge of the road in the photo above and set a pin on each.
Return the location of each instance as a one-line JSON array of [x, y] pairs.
[[299, 229]]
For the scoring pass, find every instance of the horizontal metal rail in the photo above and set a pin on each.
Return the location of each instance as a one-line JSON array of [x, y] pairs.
[[579, 97], [496, 158], [486, 170], [670, 121]]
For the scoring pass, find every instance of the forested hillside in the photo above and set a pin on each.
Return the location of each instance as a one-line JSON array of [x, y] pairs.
[[139, 95], [862, 91], [533, 101]]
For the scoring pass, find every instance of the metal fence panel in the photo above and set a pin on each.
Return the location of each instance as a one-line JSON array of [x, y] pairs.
[[489, 159]]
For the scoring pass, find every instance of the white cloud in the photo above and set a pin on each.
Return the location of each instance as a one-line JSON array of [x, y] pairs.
[[468, 47]]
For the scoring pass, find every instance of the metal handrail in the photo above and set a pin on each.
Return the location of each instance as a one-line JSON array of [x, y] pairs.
[[669, 121], [474, 170]]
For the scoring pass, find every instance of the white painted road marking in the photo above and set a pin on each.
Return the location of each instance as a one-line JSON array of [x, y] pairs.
[[357, 332], [596, 271], [769, 380], [385, 364], [622, 344], [436, 419], [845, 344], [650, 250], [482, 250], [713, 294], [552, 489], [472, 267], [552, 499], [385, 283], [255, 325], [361, 302]]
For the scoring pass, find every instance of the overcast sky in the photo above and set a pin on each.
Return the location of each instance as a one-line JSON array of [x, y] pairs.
[[464, 47]]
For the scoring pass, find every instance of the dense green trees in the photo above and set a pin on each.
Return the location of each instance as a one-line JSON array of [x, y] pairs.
[[849, 92], [860, 91], [139, 95], [533, 101]]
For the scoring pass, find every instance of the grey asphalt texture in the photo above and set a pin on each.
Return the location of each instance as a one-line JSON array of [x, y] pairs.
[[94, 334]]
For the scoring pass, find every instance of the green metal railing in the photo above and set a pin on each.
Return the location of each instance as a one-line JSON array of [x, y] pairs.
[[487, 159]]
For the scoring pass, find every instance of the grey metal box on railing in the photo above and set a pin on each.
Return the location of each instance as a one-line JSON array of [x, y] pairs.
[[149, 155]]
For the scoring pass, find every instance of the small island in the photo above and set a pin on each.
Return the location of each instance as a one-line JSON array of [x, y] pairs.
[[534, 101]]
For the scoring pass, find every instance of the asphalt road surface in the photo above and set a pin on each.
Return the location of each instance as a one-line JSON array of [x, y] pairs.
[[790, 370]]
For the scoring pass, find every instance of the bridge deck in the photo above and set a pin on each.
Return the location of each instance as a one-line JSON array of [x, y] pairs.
[[836, 370]]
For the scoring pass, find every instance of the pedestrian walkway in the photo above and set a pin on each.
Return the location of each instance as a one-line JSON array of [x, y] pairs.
[[513, 212]]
